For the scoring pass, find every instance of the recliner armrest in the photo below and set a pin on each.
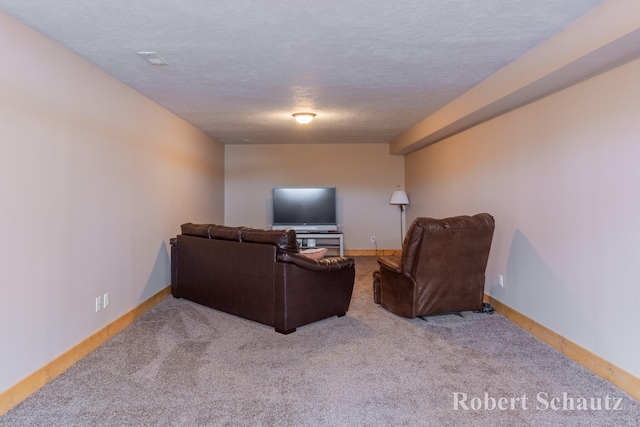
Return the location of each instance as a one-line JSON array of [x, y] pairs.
[[390, 262], [325, 264]]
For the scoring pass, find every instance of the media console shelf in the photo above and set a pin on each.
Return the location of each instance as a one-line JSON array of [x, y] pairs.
[[331, 241]]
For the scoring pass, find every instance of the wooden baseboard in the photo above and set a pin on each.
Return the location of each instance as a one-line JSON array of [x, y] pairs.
[[25, 388], [615, 375], [371, 252]]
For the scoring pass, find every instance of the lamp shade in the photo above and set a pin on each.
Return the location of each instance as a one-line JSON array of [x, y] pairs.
[[399, 197]]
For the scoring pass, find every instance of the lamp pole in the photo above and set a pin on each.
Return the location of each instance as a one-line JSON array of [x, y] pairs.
[[401, 227]]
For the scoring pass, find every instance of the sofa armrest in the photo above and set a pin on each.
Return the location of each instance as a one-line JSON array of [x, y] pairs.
[[325, 264]]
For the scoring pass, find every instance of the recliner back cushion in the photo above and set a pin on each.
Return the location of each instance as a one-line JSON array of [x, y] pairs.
[[421, 228], [411, 244]]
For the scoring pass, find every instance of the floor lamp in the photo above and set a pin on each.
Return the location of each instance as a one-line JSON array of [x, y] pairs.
[[400, 198]]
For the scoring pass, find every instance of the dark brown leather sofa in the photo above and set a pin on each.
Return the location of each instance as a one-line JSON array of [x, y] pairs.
[[258, 275], [441, 268]]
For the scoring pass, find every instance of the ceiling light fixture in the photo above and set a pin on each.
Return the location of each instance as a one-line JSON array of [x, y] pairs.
[[303, 118]]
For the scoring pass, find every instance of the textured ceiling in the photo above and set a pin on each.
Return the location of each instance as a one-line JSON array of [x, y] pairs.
[[238, 69]]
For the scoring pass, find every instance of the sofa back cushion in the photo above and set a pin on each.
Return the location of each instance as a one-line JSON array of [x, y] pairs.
[[222, 232], [283, 239], [233, 277], [211, 231], [197, 230]]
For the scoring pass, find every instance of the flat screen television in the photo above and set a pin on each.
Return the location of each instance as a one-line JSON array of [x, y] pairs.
[[310, 209]]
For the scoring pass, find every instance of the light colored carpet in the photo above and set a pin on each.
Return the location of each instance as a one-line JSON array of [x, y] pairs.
[[185, 364]]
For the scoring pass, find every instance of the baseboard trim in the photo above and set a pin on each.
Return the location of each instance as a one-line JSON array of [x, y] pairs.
[[29, 385], [372, 252], [599, 366]]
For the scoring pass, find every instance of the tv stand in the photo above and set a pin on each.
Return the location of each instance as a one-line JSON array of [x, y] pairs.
[[331, 241]]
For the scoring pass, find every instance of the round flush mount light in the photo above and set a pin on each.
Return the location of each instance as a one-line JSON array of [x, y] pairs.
[[303, 118]]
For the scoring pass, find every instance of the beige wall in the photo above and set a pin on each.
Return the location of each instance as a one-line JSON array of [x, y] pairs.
[[94, 180], [365, 175], [561, 178]]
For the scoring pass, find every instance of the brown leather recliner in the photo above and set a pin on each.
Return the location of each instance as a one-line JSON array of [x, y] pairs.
[[441, 268]]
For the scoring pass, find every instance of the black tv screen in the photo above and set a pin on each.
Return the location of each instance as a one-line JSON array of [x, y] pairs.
[[305, 209]]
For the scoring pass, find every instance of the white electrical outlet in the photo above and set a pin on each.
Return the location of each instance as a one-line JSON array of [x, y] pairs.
[[373, 239], [98, 304], [105, 300], [501, 280]]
